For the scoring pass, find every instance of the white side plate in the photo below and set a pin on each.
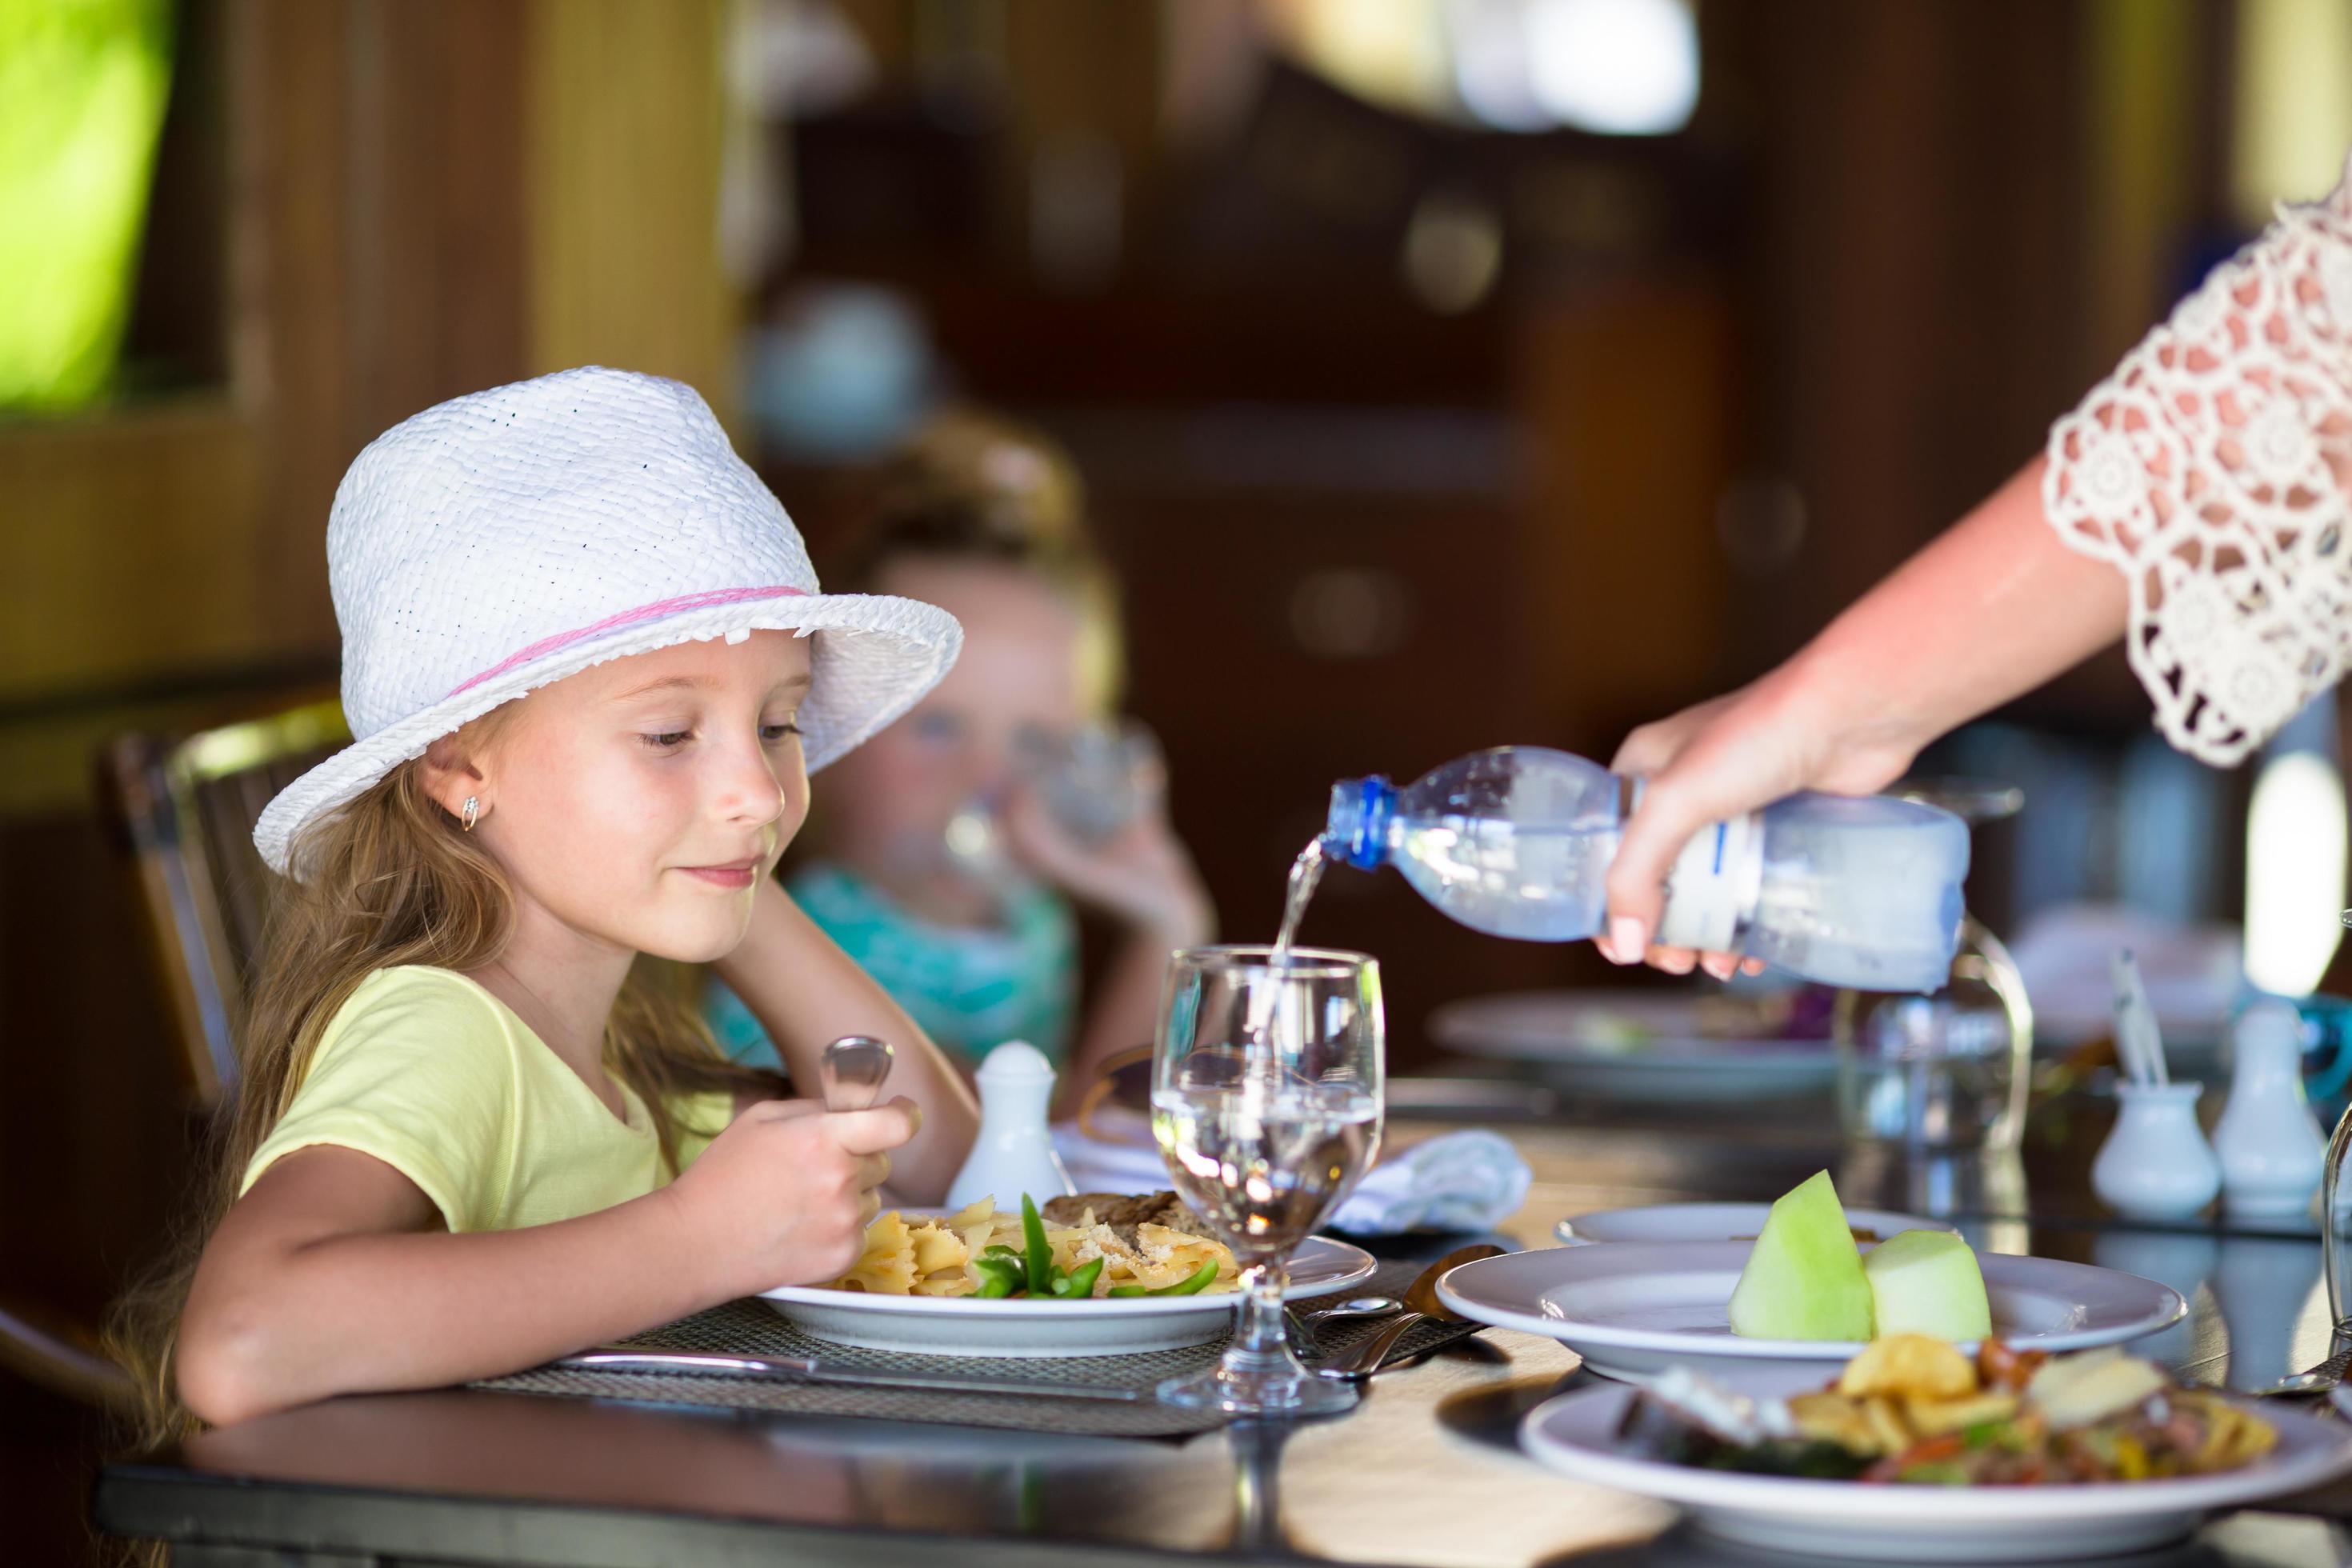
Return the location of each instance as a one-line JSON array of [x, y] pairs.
[[1576, 1436], [1635, 1047], [1715, 1221], [1634, 1308]]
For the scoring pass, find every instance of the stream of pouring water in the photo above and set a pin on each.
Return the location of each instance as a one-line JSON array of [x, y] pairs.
[[1306, 873]]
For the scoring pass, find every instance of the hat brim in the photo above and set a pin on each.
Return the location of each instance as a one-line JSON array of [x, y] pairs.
[[875, 657]]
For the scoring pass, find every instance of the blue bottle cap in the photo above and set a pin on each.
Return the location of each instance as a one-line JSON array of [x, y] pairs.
[[1358, 830]]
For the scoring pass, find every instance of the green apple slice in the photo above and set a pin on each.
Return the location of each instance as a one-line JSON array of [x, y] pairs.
[[1803, 1278], [1927, 1282]]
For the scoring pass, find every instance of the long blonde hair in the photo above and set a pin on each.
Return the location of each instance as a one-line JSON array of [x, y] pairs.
[[392, 881]]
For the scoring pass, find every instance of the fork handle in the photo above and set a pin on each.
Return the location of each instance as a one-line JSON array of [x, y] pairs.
[[1364, 1357]]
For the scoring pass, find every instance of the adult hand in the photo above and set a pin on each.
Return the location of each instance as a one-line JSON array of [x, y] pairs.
[[1719, 759], [1992, 607]]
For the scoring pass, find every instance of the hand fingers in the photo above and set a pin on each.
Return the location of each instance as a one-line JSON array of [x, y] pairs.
[[1672, 959], [873, 1170], [1653, 836], [1149, 777], [1652, 747], [869, 1203], [1648, 749], [1682, 960], [1033, 828], [872, 1131]]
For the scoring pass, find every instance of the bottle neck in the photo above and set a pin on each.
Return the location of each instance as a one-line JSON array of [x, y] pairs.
[[1357, 832]]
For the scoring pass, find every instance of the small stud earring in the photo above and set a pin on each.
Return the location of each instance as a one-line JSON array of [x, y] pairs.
[[472, 809]]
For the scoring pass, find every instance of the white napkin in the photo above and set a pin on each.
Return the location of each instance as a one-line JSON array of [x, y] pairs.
[[1469, 1180], [1127, 1162]]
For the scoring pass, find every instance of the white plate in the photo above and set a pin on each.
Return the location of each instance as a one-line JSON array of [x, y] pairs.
[[1715, 1221], [2191, 974], [961, 1325], [1576, 1434], [1637, 1046], [1634, 1309]]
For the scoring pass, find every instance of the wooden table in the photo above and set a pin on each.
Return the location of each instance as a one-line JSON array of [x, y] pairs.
[[1426, 1471]]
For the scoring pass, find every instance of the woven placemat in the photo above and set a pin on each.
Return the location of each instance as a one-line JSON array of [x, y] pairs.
[[752, 1328]]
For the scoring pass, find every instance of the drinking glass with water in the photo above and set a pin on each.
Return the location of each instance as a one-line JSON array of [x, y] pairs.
[[1266, 1100]]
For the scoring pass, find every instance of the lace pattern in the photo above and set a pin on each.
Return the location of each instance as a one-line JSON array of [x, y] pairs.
[[2214, 468]]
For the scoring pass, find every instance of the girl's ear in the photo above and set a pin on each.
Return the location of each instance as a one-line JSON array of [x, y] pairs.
[[452, 778]]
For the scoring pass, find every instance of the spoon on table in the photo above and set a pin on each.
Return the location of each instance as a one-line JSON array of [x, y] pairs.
[[1353, 1307], [2320, 1379], [1303, 1320], [851, 1071], [1364, 1357]]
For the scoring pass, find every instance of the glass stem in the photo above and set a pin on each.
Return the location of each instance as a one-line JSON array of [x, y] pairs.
[[2335, 1245], [1262, 1343]]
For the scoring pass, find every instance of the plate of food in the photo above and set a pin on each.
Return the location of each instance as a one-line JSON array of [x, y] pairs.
[[1097, 1274], [1719, 1222], [1651, 1046], [1804, 1291], [1915, 1452]]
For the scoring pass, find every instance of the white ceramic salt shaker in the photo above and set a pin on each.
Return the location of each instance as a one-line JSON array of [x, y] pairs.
[[1014, 1152], [2267, 1142], [2156, 1164]]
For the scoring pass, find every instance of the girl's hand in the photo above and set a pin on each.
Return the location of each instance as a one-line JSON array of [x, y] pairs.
[[783, 1195], [1716, 760], [1141, 876]]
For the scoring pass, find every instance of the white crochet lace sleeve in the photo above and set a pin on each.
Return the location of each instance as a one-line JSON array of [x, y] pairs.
[[2214, 470]]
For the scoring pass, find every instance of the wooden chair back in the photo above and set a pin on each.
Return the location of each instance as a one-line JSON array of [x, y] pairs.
[[185, 807]]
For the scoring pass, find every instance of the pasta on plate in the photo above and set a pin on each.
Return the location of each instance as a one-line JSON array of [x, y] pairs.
[[936, 1257]]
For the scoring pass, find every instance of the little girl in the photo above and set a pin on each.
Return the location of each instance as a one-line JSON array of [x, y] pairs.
[[588, 671], [987, 521]]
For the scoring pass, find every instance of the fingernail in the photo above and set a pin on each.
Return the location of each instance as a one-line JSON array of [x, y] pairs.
[[1676, 963], [1626, 940], [1721, 968]]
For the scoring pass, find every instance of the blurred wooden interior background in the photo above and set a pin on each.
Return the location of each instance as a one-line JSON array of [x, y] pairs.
[[1724, 379]]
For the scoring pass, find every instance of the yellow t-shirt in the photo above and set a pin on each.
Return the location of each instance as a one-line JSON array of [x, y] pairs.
[[429, 1072]]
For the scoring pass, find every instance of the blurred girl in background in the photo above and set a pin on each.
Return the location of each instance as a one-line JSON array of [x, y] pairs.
[[954, 846]]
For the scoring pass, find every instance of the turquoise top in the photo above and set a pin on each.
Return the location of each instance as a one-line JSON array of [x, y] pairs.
[[970, 988]]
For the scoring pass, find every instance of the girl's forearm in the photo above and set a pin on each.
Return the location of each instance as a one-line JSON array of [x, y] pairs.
[[807, 992], [387, 1310], [1994, 608]]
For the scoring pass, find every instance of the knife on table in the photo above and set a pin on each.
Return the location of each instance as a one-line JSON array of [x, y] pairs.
[[807, 1369]]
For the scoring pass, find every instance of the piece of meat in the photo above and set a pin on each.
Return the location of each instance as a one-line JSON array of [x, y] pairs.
[[1123, 1214]]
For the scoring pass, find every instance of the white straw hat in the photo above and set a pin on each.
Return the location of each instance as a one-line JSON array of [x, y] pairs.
[[502, 540]]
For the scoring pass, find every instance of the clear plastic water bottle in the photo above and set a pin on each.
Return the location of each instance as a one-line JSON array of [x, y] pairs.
[[1856, 891]]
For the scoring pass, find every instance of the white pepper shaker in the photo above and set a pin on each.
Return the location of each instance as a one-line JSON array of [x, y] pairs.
[[2156, 1164], [1014, 1153], [2268, 1143]]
